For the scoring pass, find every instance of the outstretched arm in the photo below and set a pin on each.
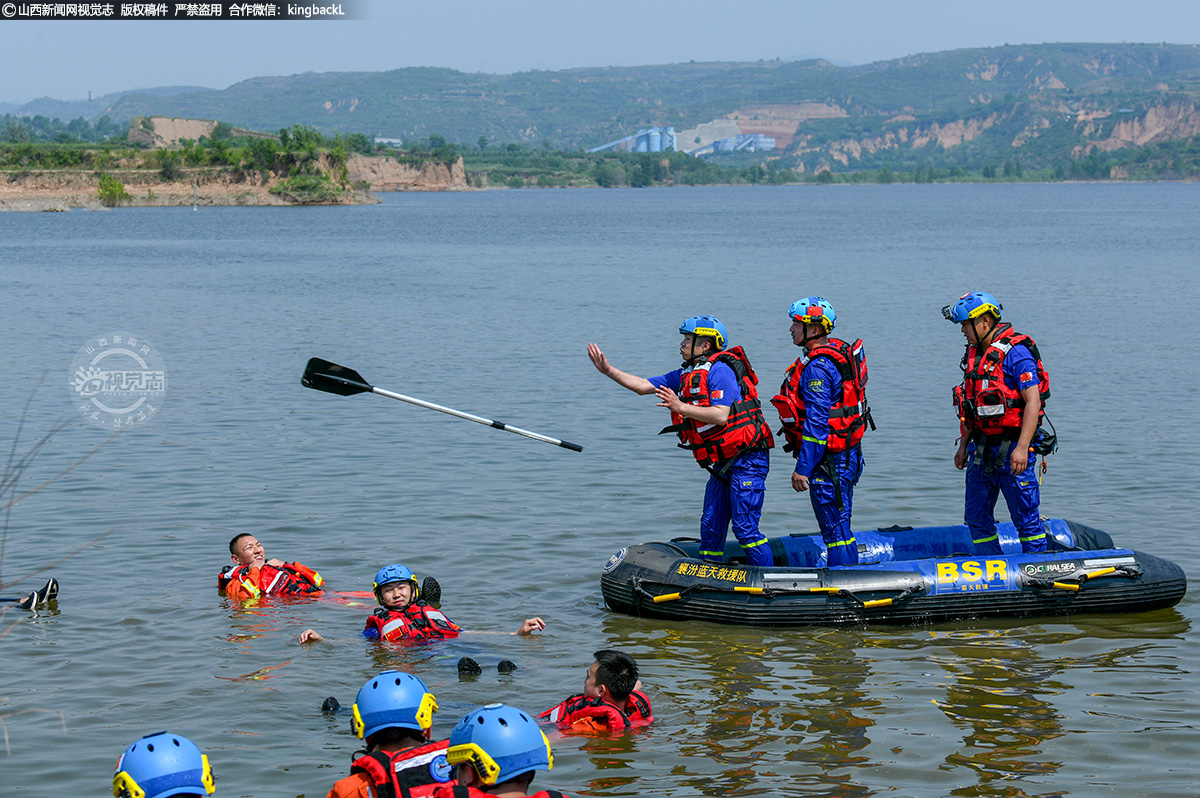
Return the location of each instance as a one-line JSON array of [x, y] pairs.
[[634, 383]]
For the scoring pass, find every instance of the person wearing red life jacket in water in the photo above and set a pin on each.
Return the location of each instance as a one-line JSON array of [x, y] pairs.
[[496, 751], [1000, 406], [393, 714], [716, 413], [404, 615], [823, 406], [612, 699], [252, 575]]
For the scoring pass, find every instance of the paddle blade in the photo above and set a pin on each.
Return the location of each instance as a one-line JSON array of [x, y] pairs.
[[321, 375]]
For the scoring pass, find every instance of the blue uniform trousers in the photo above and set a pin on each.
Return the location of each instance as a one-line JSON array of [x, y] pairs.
[[836, 473], [987, 477], [736, 496]]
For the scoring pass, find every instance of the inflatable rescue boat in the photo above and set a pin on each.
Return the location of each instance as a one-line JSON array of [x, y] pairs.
[[904, 576]]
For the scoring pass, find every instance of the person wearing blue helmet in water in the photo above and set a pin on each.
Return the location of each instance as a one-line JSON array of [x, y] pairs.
[[823, 406], [496, 751], [404, 615], [161, 765], [1000, 406], [393, 715], [716, 412]]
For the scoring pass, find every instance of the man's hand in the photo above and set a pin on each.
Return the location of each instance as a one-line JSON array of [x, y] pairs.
[[799, 482], [1018, 461], [530, 626], [960, 456], [668, 399], [310, 636], [599, 360], [275, 563]]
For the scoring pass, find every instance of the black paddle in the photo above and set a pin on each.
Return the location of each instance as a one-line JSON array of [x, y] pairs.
[[321, 375]]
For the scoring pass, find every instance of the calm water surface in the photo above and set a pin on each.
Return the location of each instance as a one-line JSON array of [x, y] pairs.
[[485, 301]]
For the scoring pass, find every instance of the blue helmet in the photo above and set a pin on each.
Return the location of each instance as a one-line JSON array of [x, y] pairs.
[[705, 327], [500, 742], [972, 306], [393, 700], [390, 574], [814, 310], [163, 764]]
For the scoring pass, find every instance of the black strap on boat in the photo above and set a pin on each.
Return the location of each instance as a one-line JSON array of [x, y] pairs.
[[641, 594], [903, 595], [1073, 583]]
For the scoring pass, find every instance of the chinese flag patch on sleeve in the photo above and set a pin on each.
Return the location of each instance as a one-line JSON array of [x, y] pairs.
[[1027, 377]]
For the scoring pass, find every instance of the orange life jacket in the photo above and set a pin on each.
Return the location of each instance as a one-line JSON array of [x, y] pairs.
[[593, 713], [849, 414], [986, 405], [248, 581], [745, 430], [414, 773], [417, 621]]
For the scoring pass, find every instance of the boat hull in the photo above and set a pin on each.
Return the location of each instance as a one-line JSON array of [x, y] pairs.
[[1083, 573]]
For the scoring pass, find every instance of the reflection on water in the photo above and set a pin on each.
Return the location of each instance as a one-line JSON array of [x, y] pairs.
[[999, 680], [737, 693]]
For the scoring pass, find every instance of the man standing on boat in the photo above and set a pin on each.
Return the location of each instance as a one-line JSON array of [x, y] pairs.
[[823, 406], [999, 406], [716, 412]]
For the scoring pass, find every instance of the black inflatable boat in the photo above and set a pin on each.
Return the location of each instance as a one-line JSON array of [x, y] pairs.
[[904, 576]]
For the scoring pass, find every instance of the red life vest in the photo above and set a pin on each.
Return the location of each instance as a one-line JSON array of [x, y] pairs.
[[290, 579], [849, 414], [446, 791], [414, 773], [745, 430], [577, 708], [986, 405], [417, 621]]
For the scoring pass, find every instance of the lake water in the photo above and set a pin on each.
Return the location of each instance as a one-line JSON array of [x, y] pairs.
[[485, 302]]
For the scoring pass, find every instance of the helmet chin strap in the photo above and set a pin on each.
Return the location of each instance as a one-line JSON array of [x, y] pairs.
[[804, 341], [980, 340], [692, 358]]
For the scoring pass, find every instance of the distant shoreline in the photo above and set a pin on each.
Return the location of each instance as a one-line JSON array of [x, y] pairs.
[[179, 195]]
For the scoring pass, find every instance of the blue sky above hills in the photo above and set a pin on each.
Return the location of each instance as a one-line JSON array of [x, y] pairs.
[[66, 60]]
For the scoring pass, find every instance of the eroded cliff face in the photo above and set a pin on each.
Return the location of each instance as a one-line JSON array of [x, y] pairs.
[[388, 174], [1173, 120], [60, 189], [948, 135]]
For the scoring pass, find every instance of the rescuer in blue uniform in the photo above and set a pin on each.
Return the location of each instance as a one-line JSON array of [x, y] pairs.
[[1000, 406], [716, 412], [823, 407]]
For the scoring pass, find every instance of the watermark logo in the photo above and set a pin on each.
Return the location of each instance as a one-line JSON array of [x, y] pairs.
[[117, 380]]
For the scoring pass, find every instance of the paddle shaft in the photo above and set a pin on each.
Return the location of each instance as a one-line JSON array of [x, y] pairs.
[[477, 419], [318, 375]]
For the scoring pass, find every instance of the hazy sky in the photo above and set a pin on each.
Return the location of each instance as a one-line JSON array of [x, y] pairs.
[[65, 60]]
